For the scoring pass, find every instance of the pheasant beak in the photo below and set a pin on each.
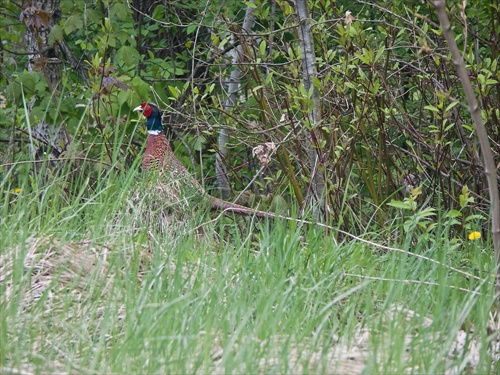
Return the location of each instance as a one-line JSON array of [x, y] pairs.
[[139, 108]]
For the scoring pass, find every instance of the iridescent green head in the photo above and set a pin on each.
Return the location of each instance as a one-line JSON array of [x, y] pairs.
[[153, 115]]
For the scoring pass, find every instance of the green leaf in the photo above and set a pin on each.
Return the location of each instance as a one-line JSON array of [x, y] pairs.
[[450, 106], [74, 22], [263, 48], [453, 214], [13, 91], [94, 15], [28, 80], [379, 53], [123, 96], [430, 211], [107, 25], [408, 224], [176, 93], [465, 197], [119, 10], [399, 204], [112, 41], [140, 87], [191, 28], [316, 82], [158, 12], [200, 142], [431, 108], [56, 34], [127, 56], [250, 5], [474, 218]]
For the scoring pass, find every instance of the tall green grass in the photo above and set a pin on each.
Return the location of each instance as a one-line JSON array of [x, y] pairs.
[[116, 277]]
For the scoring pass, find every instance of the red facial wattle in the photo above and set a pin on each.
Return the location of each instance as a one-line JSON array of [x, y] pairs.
[[147, 110]]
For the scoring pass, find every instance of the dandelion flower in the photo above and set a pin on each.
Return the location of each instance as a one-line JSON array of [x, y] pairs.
[[474, 236]]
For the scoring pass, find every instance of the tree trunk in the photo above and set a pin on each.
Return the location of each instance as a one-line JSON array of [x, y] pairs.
[[314, 135], [233, 87], [40, 16]]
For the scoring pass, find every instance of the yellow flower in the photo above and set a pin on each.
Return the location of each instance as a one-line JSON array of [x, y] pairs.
[[17, 190], [474, 236]]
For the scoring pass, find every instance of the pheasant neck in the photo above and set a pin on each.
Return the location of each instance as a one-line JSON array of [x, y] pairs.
[[154, 132]]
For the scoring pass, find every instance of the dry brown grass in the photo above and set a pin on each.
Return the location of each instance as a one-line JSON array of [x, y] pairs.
[[51, 266]]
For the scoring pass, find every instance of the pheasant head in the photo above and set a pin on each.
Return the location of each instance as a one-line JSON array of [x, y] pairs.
[[153, 115]]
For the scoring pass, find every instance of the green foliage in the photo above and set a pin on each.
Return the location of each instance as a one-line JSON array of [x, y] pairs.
[[423, 225], [390, 101]]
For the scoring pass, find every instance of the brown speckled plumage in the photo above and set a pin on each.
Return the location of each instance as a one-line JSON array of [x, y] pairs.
[[159, 155]]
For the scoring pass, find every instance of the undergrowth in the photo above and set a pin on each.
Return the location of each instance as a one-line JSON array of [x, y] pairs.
[[137, 277]]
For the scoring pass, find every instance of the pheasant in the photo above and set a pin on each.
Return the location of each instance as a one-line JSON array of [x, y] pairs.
[[159, 155]]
